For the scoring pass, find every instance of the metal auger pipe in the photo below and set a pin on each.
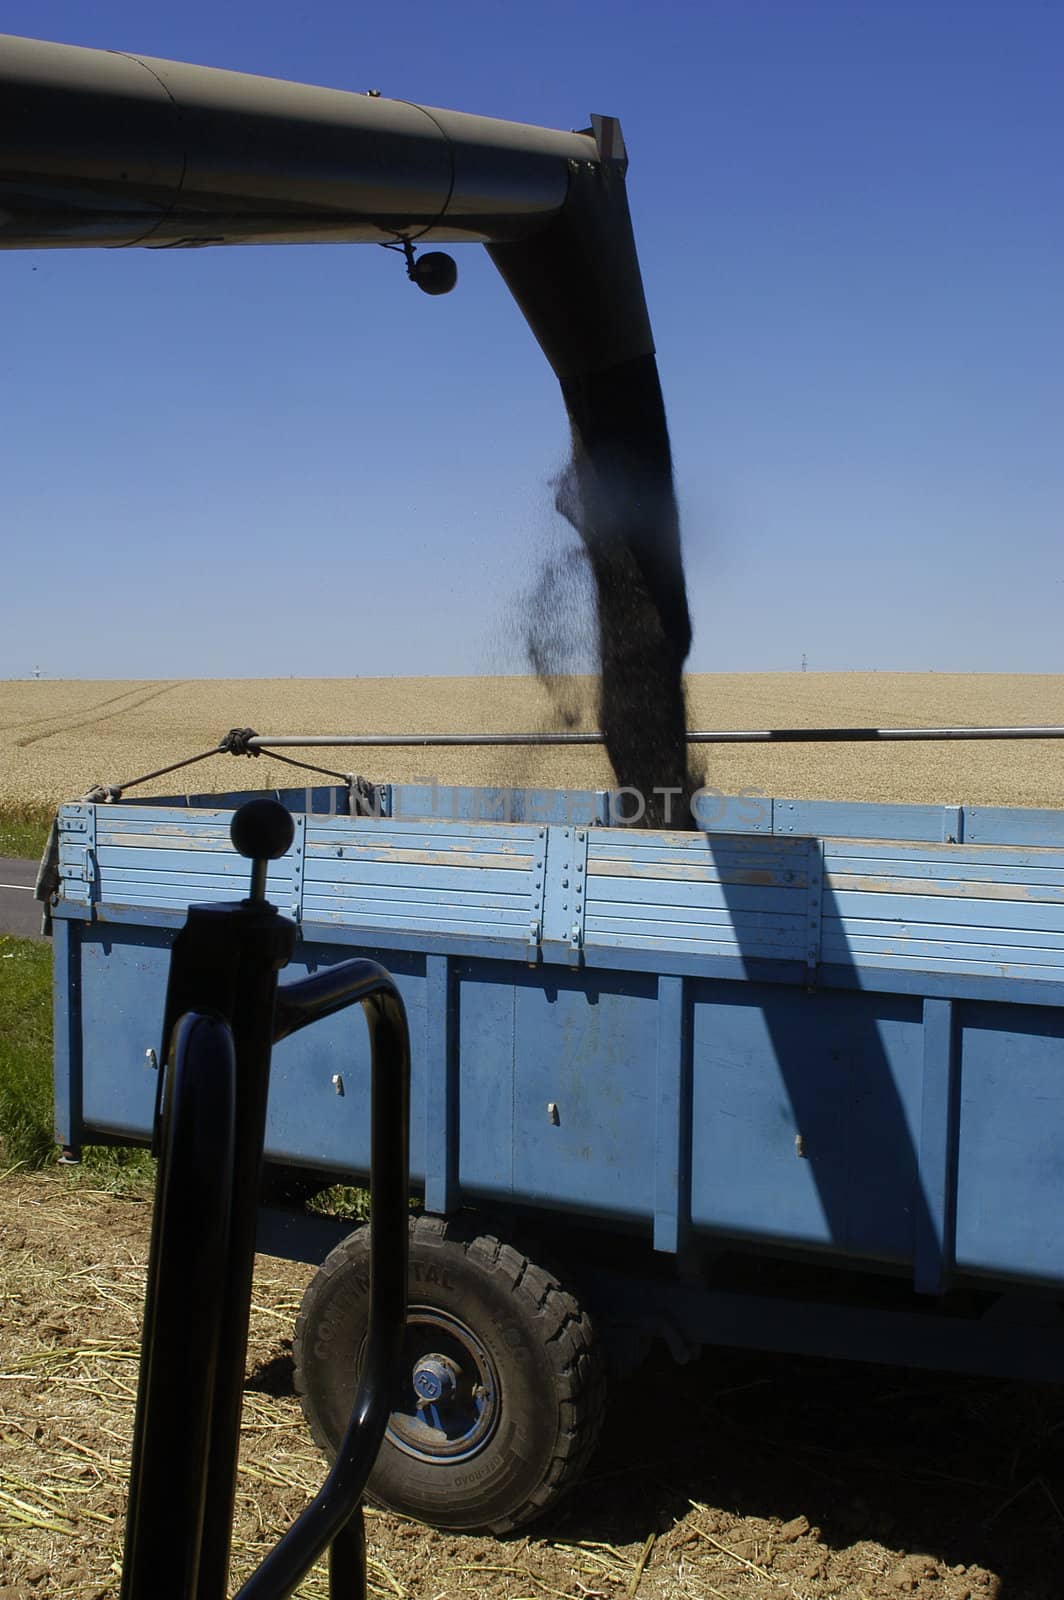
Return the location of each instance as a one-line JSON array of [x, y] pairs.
[[103, 147], [108, 148]]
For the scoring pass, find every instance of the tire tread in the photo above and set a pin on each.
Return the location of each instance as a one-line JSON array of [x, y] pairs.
[[566, 1333]]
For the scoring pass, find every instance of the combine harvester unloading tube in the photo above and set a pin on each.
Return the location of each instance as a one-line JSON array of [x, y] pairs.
[[111, 149]]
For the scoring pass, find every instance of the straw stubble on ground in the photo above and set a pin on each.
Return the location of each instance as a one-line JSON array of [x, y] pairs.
[[743, 1476]]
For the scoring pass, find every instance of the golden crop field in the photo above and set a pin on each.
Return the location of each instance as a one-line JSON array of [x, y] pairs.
[[59, 738]]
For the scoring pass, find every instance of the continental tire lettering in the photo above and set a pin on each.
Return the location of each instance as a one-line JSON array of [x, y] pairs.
[[350, 1297], [432, 1274]]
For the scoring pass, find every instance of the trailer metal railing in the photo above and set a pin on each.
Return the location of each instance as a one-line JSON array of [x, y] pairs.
[[327, 741], [246, 742]]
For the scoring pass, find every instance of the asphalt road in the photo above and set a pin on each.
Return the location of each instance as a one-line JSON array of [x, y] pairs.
[[19, 912]]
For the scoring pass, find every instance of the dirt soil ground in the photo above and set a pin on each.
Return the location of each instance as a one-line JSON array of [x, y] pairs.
[[742, 1477]]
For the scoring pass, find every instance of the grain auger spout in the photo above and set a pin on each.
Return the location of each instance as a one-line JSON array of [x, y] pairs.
[[110, 149]]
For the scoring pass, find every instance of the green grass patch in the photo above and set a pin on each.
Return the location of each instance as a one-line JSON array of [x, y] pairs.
[[119, 1169], [27, 1136], [24, 831], [341, 1200], [25, 1052]]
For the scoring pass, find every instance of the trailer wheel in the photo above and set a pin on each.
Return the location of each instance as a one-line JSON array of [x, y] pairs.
[[503, 1393]]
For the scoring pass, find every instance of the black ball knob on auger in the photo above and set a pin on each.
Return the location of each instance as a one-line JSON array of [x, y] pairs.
[[434, 273], [263, 831]]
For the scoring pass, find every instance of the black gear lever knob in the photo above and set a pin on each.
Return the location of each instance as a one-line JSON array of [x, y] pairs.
[[262, 830]]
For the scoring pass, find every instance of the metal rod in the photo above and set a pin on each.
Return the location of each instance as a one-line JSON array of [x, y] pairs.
[[329, 1516], [247, 945], [259, 870], [187, 1282], [373, 741]]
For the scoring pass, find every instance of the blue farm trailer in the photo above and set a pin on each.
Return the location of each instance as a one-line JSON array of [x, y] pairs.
[[794, 1080]]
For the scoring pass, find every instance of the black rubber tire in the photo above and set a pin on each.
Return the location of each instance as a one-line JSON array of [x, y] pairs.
[[550, 1396]]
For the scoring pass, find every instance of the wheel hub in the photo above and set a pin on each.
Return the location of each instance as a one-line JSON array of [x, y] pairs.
[[449, 1404], [435, 1378]]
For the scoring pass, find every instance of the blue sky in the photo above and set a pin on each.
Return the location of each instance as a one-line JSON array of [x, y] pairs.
[[273, 462]]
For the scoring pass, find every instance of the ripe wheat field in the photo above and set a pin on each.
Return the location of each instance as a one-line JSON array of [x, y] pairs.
[[57, 739]]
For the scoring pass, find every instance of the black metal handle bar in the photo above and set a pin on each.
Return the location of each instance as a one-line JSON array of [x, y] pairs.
[[190, 1240], [331, 1510], [223, 1014], [369, 741]]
